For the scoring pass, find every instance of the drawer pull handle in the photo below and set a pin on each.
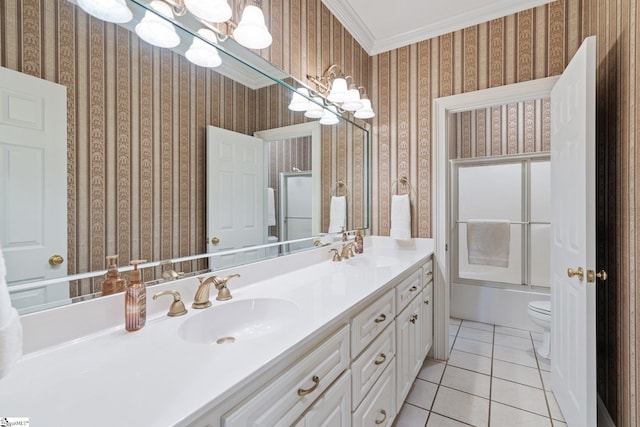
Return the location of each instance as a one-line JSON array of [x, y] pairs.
[[429, 273], [426, 301], [380, 318], [413, 318], [303, 392], [380, 362], [384, 416], [413, 288]]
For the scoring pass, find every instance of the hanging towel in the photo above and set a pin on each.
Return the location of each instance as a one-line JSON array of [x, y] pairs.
[[10, 326], [488, 242], [338, 214], [400, 217], [271, 207]]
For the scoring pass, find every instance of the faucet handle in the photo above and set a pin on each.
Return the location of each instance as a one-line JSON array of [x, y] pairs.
[[221, 284], [177, 306], [336, 255]]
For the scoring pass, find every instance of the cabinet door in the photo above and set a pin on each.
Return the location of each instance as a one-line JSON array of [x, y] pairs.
[[408, 348], [333, 409], [427, 319], [379, 407]]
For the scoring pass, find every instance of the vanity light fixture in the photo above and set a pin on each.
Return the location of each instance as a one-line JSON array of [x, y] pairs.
[[115, 11], [330, 116], [154, 29], [209, 10], [202, 53], [315, 110], [300, 101], [331, 89]]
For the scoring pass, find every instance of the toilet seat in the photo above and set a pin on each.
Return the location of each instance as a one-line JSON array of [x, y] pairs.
[[541, 307]]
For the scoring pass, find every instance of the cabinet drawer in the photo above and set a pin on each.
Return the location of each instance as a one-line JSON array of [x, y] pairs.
[[333, 409], [408, 289], [285, 399], [369, 366], [371, 321], [427, 270], [379, 407]]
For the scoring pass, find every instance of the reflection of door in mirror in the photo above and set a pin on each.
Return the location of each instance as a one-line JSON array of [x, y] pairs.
[[295, 208], [235, 196], [33, 187]]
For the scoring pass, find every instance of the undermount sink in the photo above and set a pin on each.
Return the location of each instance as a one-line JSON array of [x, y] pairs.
[[239, 321], [375, 261]]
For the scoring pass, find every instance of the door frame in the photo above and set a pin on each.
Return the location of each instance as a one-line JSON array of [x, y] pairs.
[[440, 175], [313, 130]]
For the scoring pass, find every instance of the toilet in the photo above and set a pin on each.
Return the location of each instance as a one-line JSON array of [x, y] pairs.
[[540, 314]]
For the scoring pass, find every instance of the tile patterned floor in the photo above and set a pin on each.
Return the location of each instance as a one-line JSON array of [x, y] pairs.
[[493, 378]]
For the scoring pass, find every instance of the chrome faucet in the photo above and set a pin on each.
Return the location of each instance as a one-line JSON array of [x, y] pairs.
[[201, 300]]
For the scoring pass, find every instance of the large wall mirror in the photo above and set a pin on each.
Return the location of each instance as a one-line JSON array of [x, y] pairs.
[[139, 125]]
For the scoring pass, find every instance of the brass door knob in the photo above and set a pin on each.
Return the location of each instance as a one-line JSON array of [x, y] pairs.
[[602, 275], [215, 240], [55, 260], [579, 272]]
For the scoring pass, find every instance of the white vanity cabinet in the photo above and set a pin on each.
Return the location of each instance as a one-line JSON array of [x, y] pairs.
[[409, 347], [427, 309], [333, 409], [285, 399]]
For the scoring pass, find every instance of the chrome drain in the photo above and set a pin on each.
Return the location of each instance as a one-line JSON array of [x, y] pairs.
[[226, 340]]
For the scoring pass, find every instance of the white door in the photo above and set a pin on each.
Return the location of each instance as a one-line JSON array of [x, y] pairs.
[[33, 186], [573, 326], [235, 195]]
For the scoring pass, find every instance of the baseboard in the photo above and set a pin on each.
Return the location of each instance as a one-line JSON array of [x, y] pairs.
[[604, 418]]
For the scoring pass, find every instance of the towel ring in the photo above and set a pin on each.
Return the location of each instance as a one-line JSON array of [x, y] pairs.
[[402, 180], [336, 188]]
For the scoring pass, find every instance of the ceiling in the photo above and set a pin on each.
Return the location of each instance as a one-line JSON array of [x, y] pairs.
[[382, 25]]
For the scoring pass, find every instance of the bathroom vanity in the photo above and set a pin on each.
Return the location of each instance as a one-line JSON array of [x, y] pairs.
[[304, 341]]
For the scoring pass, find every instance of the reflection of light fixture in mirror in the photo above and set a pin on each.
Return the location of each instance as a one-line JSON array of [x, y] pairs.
[[365, 112], [210, 10], [353, 102], [115, 11], [299, 100], [315, 110], [332, 85], [252, 31], [156, 30], [203, 54], [330, 116]]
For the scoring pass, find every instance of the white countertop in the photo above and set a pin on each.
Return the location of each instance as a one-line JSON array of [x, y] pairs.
[[152, 377]]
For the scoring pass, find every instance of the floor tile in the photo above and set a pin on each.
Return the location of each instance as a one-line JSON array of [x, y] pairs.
[[472, 362], [475, 334], [436, 420], [546, 380], [467, 381], [513, 342], [506, 416], [517, 373], [512, 331], [422, 394], [475, 347], [462, 406], [411, 416], [432, 371], [519, 396], [556, 413], [514, 355], [477, 325], [454, 321]]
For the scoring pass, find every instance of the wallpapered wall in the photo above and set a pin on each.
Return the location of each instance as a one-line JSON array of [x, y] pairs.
[[520, 127]]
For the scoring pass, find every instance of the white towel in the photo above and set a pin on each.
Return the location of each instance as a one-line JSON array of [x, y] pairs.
[[271, 207], [488, 242], [400, 217], [338, 214], [10, 326]]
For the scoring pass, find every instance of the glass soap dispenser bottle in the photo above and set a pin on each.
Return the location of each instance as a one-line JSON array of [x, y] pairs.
[[113, 283], [135, 300], [359, 242]]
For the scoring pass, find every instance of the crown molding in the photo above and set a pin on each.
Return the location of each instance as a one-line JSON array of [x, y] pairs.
[[360, 31]]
